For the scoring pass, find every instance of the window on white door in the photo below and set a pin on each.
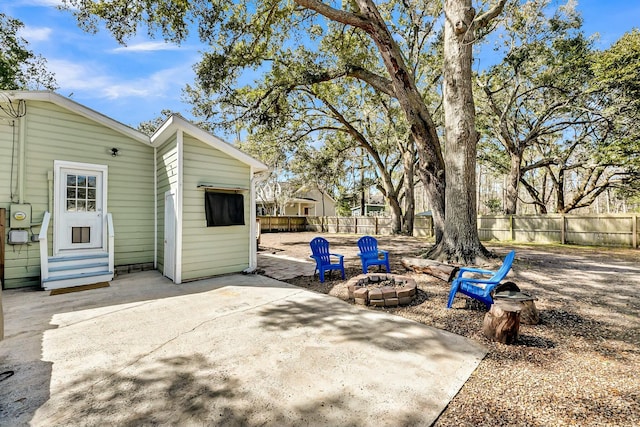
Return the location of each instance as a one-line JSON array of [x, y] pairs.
[[81, 193]]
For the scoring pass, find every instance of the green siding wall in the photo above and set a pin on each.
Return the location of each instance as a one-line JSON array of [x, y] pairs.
[[167, 172], [208, 251], [54, 133]]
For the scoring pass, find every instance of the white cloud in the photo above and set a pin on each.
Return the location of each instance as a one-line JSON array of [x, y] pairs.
[[76, 76], [146, 47], [39, 3], [35, 34], [158, 84], [97, 82]]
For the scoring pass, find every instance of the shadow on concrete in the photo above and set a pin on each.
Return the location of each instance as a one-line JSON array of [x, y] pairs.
[[189, 391], [30, 312], [392, 333]]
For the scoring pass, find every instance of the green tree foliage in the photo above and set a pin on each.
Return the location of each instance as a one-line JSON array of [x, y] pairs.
[[20, 68], [150, 126], [285, 39], [543, 120], [617, 86]]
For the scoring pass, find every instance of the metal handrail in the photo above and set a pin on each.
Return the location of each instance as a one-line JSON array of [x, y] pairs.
[[110, 236], [44, 247]]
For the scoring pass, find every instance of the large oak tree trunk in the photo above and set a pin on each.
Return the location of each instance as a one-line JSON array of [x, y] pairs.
[[513, 181], [560, 192], [396, 215], [423, 130], [434, 189], [408, 157], [454, 209], [460, 241]]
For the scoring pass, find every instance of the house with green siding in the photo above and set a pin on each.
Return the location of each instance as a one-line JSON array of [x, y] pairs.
[[83, 197]]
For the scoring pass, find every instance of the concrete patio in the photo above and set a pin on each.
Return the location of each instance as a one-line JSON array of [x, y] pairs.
[[232, 350]]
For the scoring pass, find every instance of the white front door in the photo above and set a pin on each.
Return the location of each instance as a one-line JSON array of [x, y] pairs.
[[80, 203], [170, 235]]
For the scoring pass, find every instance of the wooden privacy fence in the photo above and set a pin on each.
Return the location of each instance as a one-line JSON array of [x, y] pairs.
[[269, 224], [375, 225], [590, 230]]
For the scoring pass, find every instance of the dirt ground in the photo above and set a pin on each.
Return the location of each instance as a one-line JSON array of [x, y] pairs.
[[579, 366]]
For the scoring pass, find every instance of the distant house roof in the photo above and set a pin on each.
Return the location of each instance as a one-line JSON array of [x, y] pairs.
[[368, 205], [292, 200]]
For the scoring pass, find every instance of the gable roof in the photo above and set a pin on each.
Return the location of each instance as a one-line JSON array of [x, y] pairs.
[[176, 122], [71, 105], [168, 128], [307, 189]]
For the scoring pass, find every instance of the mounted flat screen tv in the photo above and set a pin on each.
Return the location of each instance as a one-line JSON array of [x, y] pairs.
[[223, 209]]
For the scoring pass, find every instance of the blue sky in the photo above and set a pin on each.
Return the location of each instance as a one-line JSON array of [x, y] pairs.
[[134, 83]]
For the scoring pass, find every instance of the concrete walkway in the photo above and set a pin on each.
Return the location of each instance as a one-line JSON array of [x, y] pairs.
[[282, 267], [234, 350]]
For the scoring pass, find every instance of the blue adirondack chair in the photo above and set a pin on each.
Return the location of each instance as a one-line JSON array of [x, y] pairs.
[[370, 255], [480, 288], [322, 256]]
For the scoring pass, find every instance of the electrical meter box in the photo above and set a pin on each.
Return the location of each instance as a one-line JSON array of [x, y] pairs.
[[19, 215]]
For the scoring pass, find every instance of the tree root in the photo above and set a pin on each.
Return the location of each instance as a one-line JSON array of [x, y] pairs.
[[445, 253]]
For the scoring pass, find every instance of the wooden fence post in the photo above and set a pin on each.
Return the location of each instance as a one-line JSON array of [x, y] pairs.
[[512, 233], [355, 226], [376, 230], [634, 228], [563, 230]]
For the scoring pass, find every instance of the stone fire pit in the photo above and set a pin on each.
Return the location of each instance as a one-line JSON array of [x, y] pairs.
[[382, 289]]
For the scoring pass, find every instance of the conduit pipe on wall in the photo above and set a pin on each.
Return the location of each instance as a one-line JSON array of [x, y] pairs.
[[21, 158]]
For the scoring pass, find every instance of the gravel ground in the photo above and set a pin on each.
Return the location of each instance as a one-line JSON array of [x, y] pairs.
[[578, 367]]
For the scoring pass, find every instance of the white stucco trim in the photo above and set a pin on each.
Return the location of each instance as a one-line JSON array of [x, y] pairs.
[[253, 241], [253, 244], [180, 146], [155, 208]]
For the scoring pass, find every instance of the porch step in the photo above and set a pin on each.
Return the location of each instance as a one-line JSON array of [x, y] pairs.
[[99, 266], [75, 260], [70, 280], [75, 270]]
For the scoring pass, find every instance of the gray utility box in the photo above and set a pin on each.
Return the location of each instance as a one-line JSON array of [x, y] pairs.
[[18, 237]]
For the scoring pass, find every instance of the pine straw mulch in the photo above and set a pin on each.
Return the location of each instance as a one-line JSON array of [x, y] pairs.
[[579, 366]]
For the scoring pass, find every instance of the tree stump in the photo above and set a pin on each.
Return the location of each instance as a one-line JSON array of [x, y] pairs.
[[502, 322], [529, 314]]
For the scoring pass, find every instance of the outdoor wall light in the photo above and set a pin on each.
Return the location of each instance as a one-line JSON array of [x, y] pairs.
[[114, 151]]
